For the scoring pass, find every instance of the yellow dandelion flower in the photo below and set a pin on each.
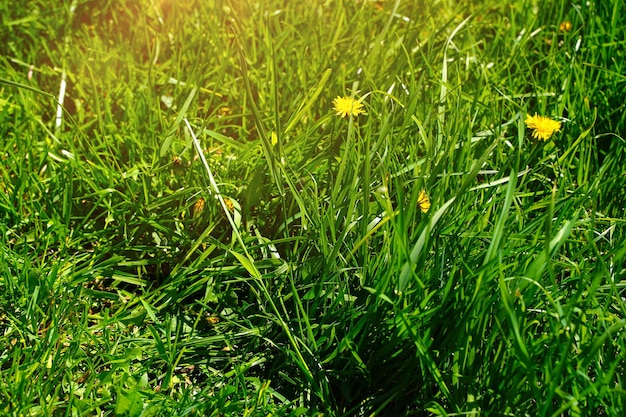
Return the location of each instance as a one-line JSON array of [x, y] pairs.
[[198, 208], [543, 127], [423, 201], [345, 106], [229, 204]]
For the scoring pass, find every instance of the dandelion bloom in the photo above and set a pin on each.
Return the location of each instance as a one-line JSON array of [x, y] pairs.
[[229, 204], [543, 127], [345, 106], [423, 202], [198, 208]]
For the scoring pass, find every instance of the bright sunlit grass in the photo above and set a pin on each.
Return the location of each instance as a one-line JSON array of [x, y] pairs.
[[347, 208]]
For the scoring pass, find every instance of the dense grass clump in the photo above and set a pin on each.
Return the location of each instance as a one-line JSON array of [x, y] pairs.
[[336, 208]]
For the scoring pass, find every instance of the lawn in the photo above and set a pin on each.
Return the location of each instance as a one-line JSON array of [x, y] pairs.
[[317, 208]]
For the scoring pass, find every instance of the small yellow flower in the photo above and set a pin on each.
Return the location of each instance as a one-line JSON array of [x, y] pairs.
[[423, 201], [565, 26], [345, 106], [198, 208], [543, 127], [229, 204]]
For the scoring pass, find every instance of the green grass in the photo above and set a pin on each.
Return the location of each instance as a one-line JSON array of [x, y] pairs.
[[200, 234]]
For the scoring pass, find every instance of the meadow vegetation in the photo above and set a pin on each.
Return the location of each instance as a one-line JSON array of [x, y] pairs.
[[337, 208]]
